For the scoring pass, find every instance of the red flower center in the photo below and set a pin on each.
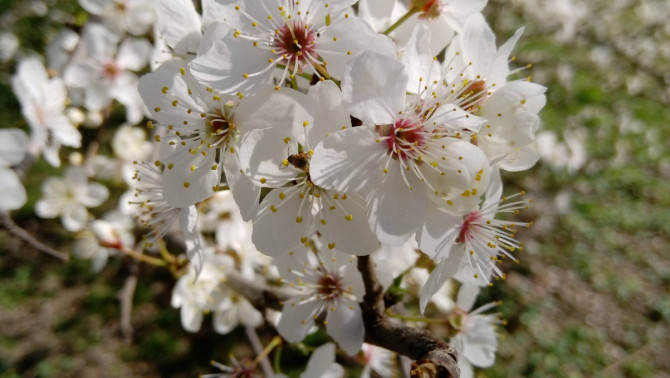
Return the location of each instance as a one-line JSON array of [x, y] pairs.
[[296, 42], [110, 70], [467, 226], [406, 137], [330, 286]]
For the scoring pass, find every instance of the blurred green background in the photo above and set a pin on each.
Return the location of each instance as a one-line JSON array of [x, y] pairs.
[[588, 298]]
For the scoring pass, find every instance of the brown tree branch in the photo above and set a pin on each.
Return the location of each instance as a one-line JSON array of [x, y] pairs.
[[433, 357], [22, 234]]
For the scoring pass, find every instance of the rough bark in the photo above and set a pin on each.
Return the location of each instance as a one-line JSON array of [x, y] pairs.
[[432, 356]]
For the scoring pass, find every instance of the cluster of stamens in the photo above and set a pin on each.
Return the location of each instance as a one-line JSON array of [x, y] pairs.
[[296, 43]]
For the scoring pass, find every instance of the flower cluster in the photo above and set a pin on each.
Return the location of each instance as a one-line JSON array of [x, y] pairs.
[[289, 138]]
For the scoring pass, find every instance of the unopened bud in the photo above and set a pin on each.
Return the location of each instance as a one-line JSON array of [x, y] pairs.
[[106, 234], [429, 9]]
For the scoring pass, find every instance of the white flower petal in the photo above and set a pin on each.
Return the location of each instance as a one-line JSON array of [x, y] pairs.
[[442, 272], [330, 112], [191, 317], [374, 88], [282, 223], [466, 297], [246, 194], [351, 277], [13, 147], [438, 233], [348, 161], [223, 67], [348, 37], [345, 225], [480, 343], [178, 23], [13, 193], [297, 319], [191, 178], [248, 314], [188, 220], [262, 154], [133, 54], [419, 65], [74, 217], [225, 320], [96, 194], [320, 362], [395, 211], [345, 325]]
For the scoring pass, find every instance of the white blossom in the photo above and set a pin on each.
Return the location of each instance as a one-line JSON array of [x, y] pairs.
[[279, 157], [327, 282], [469, 247], [68, 198], [42, 105], [475, 337], [409, 152], [160, 214], [134, 16], [104, 70], [130, 143], [293, 36], [13, 148]]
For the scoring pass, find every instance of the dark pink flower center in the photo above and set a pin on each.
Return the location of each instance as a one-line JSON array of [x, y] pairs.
[[246, 369], [468, 226], [406, 137], [296, 42], [330, 286], [110, 70]]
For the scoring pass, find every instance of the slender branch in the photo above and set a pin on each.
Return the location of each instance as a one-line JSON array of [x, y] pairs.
[[142, 257], [432, 356], [402, 19], [22, 234], [125, 296], [262, 355]]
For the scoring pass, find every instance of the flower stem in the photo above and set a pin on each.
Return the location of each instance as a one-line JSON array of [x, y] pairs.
[[276, 341], [144, 258], [294, 83], [324, 72], [303, 75], [165, 254], [276, 360], [402, 19]]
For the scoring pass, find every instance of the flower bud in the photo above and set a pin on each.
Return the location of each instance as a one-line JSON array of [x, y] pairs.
[[106, 234], [429, 9]]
